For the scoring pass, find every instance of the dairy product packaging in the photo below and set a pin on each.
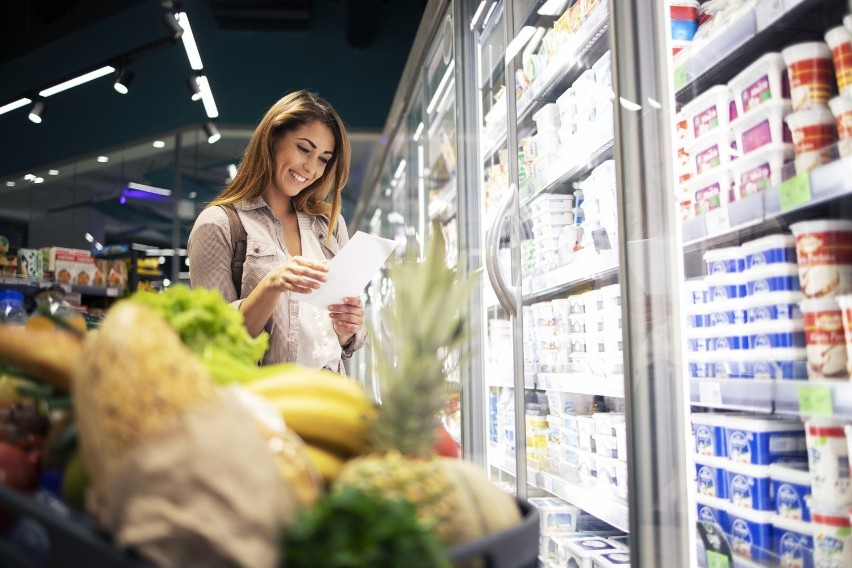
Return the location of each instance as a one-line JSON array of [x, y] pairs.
[[845, 304], [749, 486], [556, 516], [762, 441], [814, 133], [825, 339], [712, 151], [772, 307], [791, 488], [794, 542], [771, 249], [761, 169], [751, 532], [724, 260], [841, 108], [763, 126], [579, 551], [713, 510], [710, 191], [618, 559], [711, 476], [824, 253], [763, 81], [809, 69], [832, 539], [828, 462], [711, 111], [771, 278], [839, 41]]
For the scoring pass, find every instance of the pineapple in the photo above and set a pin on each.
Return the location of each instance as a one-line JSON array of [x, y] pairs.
[[423, 331]]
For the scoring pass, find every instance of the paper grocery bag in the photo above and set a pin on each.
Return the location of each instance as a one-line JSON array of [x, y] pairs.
[[203, 492]]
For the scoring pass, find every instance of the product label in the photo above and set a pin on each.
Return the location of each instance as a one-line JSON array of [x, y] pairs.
[[810, 81], [842, 57], [756, 93], [704, 440], [742, 538], [757, 136], [824, 248], [707, 199], [707, 481], [813, 137], [754, 180], [722, 318], [791, 547], [739, 447], [740, 491], [824, 328], [708, 159], [787, 502], [706, 514], [705, 121]]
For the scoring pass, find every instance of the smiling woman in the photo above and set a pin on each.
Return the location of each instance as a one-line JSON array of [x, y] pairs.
[[287, 195]]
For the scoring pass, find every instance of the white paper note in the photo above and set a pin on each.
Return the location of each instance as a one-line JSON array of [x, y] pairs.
[[350, 270]]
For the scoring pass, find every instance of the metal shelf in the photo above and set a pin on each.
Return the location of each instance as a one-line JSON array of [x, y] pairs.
[[572, 170], [582, 383], [598, 500], [33, 286], [567, 278]]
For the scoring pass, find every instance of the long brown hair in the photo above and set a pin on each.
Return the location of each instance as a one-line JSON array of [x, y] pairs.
[[256, 168]]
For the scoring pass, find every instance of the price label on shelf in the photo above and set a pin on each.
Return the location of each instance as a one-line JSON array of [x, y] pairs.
[[794, 192], [815, 400], [717, 560], [680, 77], [717, 221], [767, 11], [710, 393]]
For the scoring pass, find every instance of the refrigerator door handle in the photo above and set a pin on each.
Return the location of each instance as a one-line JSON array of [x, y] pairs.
[[507, 294]]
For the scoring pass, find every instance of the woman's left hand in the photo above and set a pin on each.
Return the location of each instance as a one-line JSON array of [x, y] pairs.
[[347, 317]]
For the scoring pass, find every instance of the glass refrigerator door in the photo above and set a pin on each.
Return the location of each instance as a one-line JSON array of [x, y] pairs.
[[763, 190]]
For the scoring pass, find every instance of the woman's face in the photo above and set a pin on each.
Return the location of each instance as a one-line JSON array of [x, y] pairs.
[[301, 157]]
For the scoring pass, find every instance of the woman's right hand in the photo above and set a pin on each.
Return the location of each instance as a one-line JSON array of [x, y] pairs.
[[299, 274]]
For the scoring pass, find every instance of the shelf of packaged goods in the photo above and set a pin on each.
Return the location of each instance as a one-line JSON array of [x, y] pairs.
[[732, 394], [582, 383], [570, 170], [575, 56], [493, 78], [770, 26], [33, 286], [587, 268], [442, 207], [499, 141], [499, 459], [598, 500], [728, 223]]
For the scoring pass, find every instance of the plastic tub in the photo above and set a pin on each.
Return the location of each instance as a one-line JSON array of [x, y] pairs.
[[713, 510], [727, 338], [763, 126], [708, 112], [611, 559], [711, 477], [724, 260], [771, 249], [841, 108], [725, 286], [794, 542], [825, 339], [832, 539], [684, 9], [547, 118], [839, 41], [730, 363], [709, 430], [762, 441], [760, 169], [749, 486], [814, 131], [771, 278], [699, 366], [727, 312], [710, 191], [578, 552], [791, 486], [763, 81], [845, 304], [771, 307], [683, 30], [696, 291], [775, 334], [824, 253], [780, 364], [809, 68], [712, 151], [828, 462], [751, 532]]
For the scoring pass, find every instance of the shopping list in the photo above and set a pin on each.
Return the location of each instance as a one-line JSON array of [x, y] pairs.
[[350, 270]]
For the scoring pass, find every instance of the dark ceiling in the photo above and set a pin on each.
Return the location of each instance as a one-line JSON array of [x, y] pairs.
[[352, 52]]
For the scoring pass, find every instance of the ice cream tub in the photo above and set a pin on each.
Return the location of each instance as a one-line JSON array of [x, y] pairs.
[[841, 108], [713, 510], [762, 81], [775, 334], [709, 431], [839, 41], [771, 278], [770, 307], [762, 441], [724, 260], [791, 488], [761, 169], [828, 462], [824, 253], [751, 532], [780, 364], [683, 30], [749, 486], [825, 339], [617, 559], [763, 126], [832, 540], [771, 249], [710, 191], [809, 68], [794, 542], [814, 132], [712, 151], [711, 476], [725, 286], [726, 312], [708, 112]]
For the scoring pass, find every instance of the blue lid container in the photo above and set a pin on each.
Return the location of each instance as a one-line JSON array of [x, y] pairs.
[[724, 260], [783, 364], [762, 441], [749, 486], [727, 312], [776, 306], [751, 532], [709, 432], [725, 286], [791, 488], [711, 476]]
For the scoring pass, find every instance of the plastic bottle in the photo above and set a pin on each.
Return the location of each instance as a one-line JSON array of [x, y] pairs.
[[12, 310], [52, 302]]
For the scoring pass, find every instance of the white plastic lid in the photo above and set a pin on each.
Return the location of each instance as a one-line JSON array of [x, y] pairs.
[[714, 502], [774, 269], [724, 278], [699, 103], [770, 241], [761, 155], [748, 469], [776, 354], [773, 326], [761, 112], [811, 49], [840, 104], [760, 65], [712, 418], [820, 226], [617, 559], [767, 424], [795, 525], [772, 298], [812, 305], [792, 472], [723, 253], [751, 515], [712, 461], [810, 116]]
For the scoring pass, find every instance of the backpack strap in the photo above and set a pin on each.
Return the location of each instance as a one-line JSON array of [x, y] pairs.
[[238, 243]]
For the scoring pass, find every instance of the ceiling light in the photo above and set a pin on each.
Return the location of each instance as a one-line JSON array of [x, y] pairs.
[[159, 144], [213, 134], [552, 8], [13, 105], [10, 184], [103, 159], [417, 132], [123, 81], [29, 177], [84, 78], [149, 189], [169, 20], [37, 111], [207, 97], [189, 42], [89, 237], [38, 180], [192, 85], [53, 172]]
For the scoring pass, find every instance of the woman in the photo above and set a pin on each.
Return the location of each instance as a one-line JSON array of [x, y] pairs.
[[297, 157]]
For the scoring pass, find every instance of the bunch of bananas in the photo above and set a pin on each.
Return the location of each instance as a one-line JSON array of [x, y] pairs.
[[328, 411]]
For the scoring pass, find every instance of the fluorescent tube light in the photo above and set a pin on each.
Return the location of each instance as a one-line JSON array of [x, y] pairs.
[[399, 169], [552, 8], [518, 42], [417, 132], [213, 134], [85, 78], [149, 189], [13, 105], [444, 80], [478, 13], [534, 42], [189, 42], [207, 97]]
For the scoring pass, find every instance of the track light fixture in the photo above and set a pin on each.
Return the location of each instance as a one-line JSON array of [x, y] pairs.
[[123, 81], [37, 111], [170, 22], [192, 85], [213, 134]]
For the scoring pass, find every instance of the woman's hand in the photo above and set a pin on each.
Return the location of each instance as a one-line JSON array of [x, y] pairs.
[[298, 274], [347, 317]]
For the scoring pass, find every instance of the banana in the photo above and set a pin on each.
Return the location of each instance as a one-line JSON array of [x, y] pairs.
[[311, 382], [326, 421], [326, 462]]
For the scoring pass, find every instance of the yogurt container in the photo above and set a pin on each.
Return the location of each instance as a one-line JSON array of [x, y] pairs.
[[809, 69], [711, 476], [828, 462], [726, 312], [824, 253], [696, 291], [762, 441], [749, 486], [713, 510], [727, 338], [769, 278], [791, 488], [794, 542], [814, 132], [708, 112], [712, 151], [578, 552], [761, 169], [825, 340], [779, 364], [771, 249], [839, 41], [725, 287], [763, 126], [710, 191], [775, 334], [845, 304], [762, 81], [699, 340], [841, 108], [700, 366], [611, 559], [771, 307], [832, 540], [724, 260], [751, 532]]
